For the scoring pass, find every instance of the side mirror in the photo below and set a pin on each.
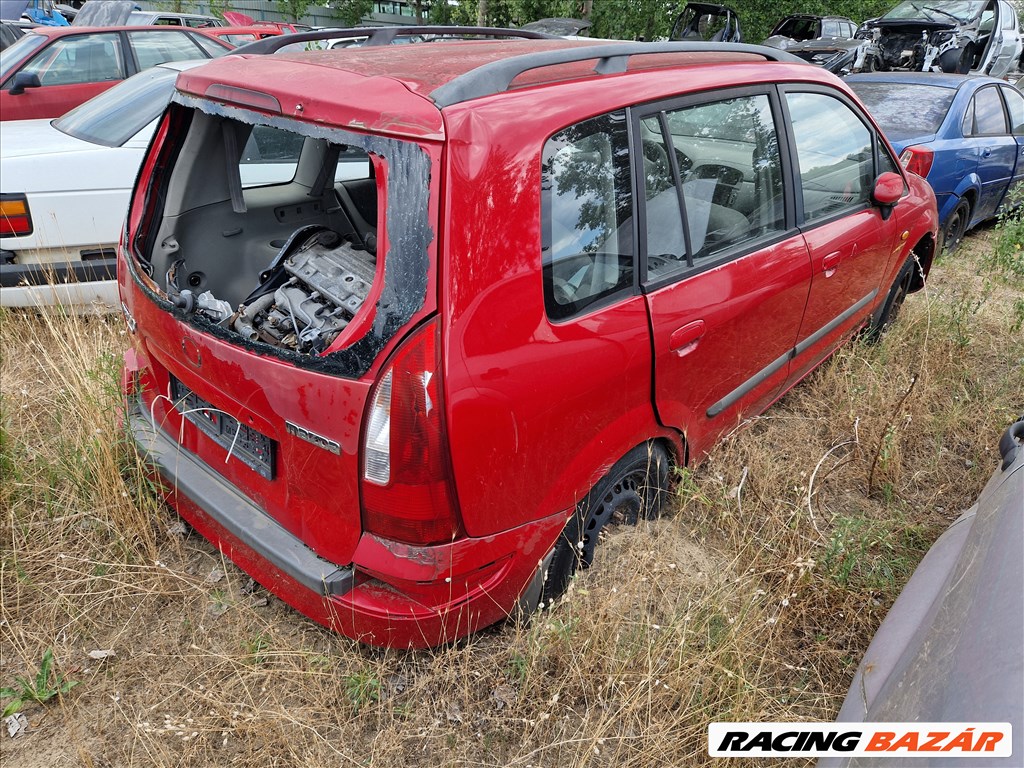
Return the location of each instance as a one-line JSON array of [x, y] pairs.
[[24, 80], [887, 192]]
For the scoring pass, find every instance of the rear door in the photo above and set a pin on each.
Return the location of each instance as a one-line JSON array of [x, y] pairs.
[[850, 242], [725, 273], [1015, 111], [996, 150]]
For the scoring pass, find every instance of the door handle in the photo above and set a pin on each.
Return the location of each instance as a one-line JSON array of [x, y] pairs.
[[684, 340], [830, 262], [986, 152]]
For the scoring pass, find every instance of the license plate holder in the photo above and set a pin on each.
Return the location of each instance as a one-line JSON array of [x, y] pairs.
[[252, 448]]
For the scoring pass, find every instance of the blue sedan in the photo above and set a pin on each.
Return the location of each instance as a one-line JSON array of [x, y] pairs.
[[963, 133]]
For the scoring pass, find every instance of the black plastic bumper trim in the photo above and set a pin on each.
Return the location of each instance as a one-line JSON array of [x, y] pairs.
[[192, 477], [13, 275]]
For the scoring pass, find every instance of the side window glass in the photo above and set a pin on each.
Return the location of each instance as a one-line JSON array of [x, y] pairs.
[[830, 29], [834, 151], [1015, 106], [968, 124], [207, 44], [270, 156], [152, 48], [587, 249], [885, 162], [79, 59], [666, 246], [727, 155], [989, 119]]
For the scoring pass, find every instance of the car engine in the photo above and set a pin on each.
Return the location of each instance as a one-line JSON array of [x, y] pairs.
[[310, 294]]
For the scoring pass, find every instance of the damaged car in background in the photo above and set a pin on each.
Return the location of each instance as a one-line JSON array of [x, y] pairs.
[[959, 37]]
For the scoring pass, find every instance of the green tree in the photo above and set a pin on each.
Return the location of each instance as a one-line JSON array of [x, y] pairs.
[[293, 10], [350, 12]]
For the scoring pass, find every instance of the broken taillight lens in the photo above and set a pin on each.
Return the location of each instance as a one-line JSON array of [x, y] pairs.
[[407, 491], [917, 160], [15, 217]]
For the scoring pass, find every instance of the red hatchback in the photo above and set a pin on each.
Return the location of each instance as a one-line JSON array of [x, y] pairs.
[[409, 330], [50, 70]]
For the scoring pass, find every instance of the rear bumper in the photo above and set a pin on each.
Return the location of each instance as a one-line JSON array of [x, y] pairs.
[[392, 594], [40, 285]]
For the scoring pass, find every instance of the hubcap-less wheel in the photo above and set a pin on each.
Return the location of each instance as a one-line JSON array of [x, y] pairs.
[[634, 489], [956, 226]]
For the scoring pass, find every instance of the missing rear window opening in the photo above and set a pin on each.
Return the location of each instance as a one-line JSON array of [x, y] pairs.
[[268, 234]]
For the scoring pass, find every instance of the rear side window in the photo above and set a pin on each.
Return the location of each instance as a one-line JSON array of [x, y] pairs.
[[587, 248], [989, 119], [723, 157], [835, 154], [152, 48]]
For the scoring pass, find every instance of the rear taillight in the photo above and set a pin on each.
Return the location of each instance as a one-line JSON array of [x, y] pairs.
[[15, 218], [407, 493], [917, 160]]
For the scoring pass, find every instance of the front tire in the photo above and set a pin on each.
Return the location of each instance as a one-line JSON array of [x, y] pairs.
[[634, 489], [883, 319]]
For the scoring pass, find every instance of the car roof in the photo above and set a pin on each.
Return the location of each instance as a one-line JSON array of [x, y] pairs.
[[423, 71], [367, 88], [64, 31], [935, 79]]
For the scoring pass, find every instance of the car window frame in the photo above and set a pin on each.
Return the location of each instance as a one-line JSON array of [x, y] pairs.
[[604, 299], [738, 251], [876, 138], [974, 111], [126, 60]]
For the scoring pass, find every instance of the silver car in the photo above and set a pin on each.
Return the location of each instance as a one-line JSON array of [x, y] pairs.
[[952, 647]]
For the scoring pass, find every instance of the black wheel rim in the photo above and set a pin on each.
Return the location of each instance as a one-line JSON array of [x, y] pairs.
[[955, 228], [621, 504]]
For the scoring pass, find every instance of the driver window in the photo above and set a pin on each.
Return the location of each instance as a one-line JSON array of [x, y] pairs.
[[834, 150]]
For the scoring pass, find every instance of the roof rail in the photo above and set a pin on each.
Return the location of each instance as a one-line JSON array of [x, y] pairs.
[[384, 36], [613, 58]]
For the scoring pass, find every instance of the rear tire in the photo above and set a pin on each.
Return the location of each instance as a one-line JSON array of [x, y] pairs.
[[956, 227], [634, 489]]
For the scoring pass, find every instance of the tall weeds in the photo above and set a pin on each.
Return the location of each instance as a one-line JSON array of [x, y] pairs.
[[752, 599]]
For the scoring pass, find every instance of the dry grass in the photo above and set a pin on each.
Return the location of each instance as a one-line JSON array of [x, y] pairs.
[[752, 600]]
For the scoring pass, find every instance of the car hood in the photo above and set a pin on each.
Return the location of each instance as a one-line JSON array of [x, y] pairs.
[[27, 138]]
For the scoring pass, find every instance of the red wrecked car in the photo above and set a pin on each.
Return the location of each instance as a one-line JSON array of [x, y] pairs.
[[409, 330]]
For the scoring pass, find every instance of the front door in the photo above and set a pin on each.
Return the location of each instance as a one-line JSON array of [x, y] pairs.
[[849, 241]]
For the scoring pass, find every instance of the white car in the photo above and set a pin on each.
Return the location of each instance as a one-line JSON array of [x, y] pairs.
[[65, 186]]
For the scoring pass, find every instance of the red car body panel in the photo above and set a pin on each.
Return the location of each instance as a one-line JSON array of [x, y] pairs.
[[55, 100], [535, 411]]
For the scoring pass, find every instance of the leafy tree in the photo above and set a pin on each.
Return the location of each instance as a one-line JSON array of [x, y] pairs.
[[293, 10], [350, 12]]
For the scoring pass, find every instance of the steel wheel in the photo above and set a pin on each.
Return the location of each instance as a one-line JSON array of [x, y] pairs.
[[634, 489], [956, 226]]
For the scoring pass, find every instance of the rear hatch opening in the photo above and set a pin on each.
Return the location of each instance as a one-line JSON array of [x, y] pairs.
[[270, 232]]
